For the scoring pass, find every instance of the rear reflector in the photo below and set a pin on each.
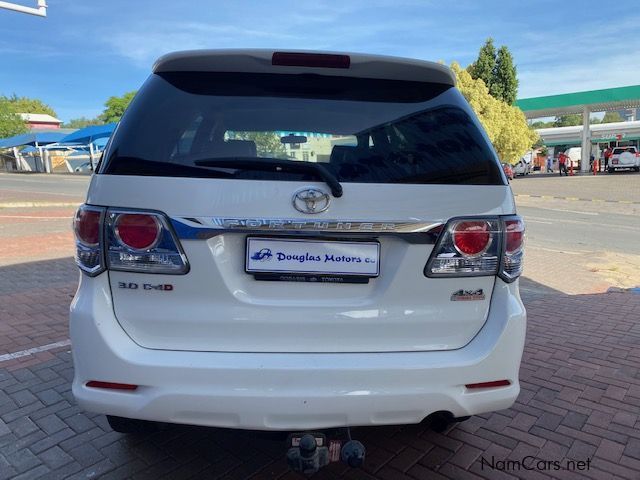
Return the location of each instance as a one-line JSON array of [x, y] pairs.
[[111, 385], [494, 384], [318, 60]]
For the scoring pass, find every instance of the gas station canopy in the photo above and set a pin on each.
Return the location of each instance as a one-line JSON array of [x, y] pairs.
[[583, 103], [593, 100]]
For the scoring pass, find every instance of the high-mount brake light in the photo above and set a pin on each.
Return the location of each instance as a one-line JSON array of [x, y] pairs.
[[318, 60], [87, 228], [138, 231], [469, 247]]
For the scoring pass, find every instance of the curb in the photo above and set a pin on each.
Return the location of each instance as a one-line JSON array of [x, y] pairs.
[[38, 204], [576, 199]]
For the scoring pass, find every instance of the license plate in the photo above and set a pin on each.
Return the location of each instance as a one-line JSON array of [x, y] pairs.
[[274, 255]]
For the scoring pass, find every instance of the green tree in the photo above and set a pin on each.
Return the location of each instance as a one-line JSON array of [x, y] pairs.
[[505, 81], [541, 124], [497, 70], [485, 65], [611, 117], [505, 124], [10, 123], [28, 105], [568, 120], [82, 122], [115, 107]]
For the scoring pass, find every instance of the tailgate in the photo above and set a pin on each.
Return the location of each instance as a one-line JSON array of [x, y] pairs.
[[219, 306]]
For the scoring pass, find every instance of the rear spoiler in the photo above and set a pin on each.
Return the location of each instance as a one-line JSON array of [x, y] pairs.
[[267, 61]]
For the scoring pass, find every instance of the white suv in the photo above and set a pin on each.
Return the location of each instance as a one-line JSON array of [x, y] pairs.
[[294, 241], [623, 158]]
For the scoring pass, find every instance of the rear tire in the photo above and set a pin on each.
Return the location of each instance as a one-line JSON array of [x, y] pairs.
[[131, 425], [610, 170], [637, 169]]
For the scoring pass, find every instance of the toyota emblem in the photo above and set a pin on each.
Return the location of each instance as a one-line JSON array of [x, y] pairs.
[[311, 200]]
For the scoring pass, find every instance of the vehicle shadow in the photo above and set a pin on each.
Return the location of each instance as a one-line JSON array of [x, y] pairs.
[[578, 386]]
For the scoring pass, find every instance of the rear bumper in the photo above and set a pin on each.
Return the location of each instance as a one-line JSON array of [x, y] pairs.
[[267, 391]]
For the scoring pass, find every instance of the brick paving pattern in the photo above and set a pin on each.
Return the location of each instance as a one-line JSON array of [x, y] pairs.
[[580, 401]]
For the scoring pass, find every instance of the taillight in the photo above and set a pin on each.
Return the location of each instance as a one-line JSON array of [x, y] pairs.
[[472, 238], [142, 242], [512, 259], [126, 240], [137, 231], [87, 228], [479, 247], [87, 225], [514, 235]]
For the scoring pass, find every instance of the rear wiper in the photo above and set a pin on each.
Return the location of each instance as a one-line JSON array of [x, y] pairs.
[[275, 164]]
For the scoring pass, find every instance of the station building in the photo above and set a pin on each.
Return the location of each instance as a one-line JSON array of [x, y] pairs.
[[593, 138]]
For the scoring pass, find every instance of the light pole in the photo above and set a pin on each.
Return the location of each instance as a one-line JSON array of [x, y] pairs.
[[40, 10]]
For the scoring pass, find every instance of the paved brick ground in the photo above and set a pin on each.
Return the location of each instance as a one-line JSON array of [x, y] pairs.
[[580, 401]]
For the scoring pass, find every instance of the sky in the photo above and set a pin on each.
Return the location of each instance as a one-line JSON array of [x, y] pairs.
[[83, 52]]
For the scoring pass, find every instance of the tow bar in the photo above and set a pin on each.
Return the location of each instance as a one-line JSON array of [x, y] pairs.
[[308, 452]]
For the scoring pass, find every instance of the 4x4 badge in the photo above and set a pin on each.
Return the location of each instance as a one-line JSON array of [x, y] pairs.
[[311, 200], [467, 295]]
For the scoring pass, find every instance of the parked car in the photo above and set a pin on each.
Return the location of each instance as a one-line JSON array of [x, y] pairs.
[[522, 167], [623, 158], [508, 171], [84, 167], [226, 287]]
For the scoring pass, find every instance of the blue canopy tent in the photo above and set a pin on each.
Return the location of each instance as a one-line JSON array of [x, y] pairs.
[[88, 136], [33, 139]]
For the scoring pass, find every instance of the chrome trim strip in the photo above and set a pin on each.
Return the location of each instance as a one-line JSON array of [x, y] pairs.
[[209, 227]]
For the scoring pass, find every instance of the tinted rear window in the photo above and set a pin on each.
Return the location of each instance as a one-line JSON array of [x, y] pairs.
[[618, 151], [361, 130]]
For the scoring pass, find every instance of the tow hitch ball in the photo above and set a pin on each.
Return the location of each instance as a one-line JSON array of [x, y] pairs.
[[309, 452]]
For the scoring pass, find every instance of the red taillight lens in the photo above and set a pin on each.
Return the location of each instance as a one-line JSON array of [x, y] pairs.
[[494, 384], [111, 385], [87, 226], [515, 235], [321, 60], [137, 231], [471, 238]]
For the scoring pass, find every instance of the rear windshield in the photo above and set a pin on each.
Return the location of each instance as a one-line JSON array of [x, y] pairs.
[[618, 151], [361, 130]]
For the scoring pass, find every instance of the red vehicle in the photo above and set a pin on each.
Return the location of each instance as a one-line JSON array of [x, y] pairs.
[[508, 171]]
